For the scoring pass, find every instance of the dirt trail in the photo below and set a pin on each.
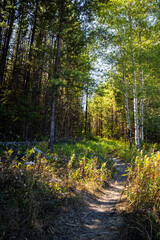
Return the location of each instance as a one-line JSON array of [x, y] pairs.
[[98, 219]]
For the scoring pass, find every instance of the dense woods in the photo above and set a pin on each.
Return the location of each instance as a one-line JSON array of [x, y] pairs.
[[44, 68], [47, 51], [46, 59]]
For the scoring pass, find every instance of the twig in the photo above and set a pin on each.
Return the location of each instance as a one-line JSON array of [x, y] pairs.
[[137, 229], [72, 225], [86, 215]]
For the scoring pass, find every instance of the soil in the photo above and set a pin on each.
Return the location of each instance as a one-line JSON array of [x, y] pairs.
[[97, 218]]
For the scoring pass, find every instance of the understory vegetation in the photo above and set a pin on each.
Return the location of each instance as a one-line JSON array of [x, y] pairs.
[[37, 185], [33, 184], [143, 193]]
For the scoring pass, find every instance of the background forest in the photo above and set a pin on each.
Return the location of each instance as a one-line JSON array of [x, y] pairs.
[[48, 50]]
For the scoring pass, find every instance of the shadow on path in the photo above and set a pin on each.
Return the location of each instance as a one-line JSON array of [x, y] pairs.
[[98, 219]]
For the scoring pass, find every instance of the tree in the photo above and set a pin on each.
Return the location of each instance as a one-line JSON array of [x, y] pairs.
[[128, 35]]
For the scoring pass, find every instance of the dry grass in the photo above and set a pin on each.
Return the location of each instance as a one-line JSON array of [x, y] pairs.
[[36, 189], [143, 192]]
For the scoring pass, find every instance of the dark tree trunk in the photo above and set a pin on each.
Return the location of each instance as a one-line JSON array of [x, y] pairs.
[[56, 76], [6, 44], [28, 78]]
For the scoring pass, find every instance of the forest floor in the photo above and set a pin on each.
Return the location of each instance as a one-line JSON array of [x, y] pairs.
[[98, 217], [76, 193]]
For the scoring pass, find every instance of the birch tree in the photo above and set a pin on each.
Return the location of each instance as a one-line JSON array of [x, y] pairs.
[[136, 120], [128, 25], [127, 106]]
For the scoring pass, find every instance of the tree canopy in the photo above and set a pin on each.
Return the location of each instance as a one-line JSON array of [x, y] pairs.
[[48, 86]]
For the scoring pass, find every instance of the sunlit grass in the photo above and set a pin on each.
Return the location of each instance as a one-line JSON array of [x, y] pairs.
[[29, 181], [101, 148], [143, 191]]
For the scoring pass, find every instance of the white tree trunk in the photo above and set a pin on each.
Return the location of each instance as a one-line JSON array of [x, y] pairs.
[[136, 121], [142, 88], [127, 108]]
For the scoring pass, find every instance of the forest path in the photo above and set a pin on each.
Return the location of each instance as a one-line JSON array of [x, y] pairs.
[[98, 218]]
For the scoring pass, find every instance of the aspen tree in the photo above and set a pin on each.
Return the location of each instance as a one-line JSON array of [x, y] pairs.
[[136, 120]]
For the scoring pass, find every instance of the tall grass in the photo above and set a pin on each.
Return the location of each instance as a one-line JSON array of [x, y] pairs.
[[32, 184], [143, 192], [28, 183]]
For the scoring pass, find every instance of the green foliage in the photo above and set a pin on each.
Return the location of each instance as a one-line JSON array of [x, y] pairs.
[[28, 180], [129, 37], [30, 183], [35, 67], [99, 147]]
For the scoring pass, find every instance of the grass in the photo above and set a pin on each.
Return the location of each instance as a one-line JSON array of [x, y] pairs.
[[101, 148], [143, 192], [34, 187]]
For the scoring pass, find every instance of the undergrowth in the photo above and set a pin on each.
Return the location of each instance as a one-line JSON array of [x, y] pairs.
[[101, 148], [143, 192], [34, 186], [30, 181]]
